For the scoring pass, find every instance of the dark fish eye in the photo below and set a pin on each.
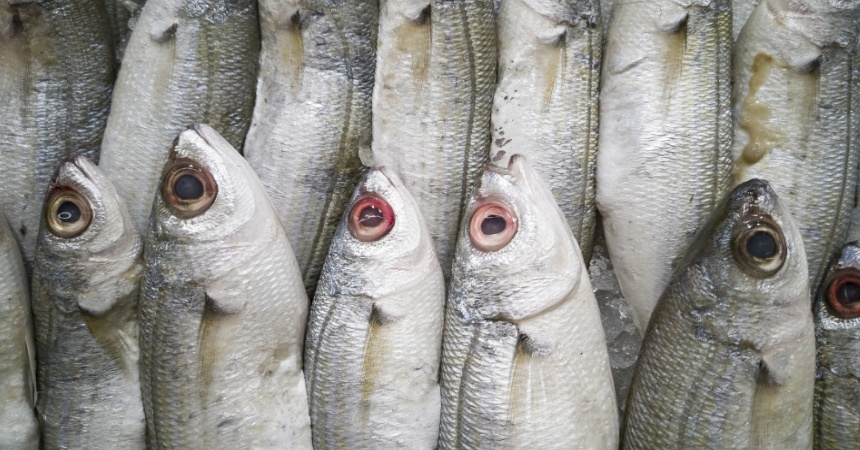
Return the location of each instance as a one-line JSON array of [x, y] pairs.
[[759, 247], [371, 218], [493, 226], [68, 212], [188, 187], [848, 293], [843, 293]]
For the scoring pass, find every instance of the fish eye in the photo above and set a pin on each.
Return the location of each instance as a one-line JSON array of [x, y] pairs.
[[188, 189], [492, 227], [760, 247], [371, 218], [67, 213], [843, 293]]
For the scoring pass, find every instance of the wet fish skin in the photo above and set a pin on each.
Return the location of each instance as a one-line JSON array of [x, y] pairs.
[[186, 62], [313, 115], [374, 337], [57, 73], [85, 292], [123, 15], [222, 314], [545, 105], [524, 359], [837, 381], [728, 359]]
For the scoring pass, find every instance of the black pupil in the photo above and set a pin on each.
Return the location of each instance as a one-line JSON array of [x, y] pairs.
[[370, 216], [493, 224], [848, 293], [188, 187], [68, 212], [761, 245]]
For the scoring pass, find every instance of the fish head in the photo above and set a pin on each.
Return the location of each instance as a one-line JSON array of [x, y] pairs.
[[838, 301], [516, 256]]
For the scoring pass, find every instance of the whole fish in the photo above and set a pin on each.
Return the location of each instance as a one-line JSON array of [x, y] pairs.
[[187, 61], [435, 76], [837, 328], [86, 283], [19, 428], [222, 308], [123, 15], [545, 106], [56, 76], [729, 357], [374, 337], [524, 359], [665, 136], [312, 115], [797, 107]]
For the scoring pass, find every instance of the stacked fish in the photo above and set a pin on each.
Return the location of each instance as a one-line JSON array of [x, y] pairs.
[[181, 177]]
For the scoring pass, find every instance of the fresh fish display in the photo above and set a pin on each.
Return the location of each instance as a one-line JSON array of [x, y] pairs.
[[123, 15], [313, 115], [729, 357], [18, 425], [665, 136], [375, 328], [86, 283], [797, 75], [187, 61], [222, 308], [435, 77], [545, 106], [837, 328], [524, 362], [56, 76]]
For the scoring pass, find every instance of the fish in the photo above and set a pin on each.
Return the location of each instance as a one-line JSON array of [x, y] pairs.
[[796, 83], [837, 329], [187, 61], [222, 308], [665, 136], [524, 358], [374, 336], [728, 360], [123, 15], [432, 100], [86, 283], [312, 116], [741, 11], [545, 105], [19, 427], [56, 74]]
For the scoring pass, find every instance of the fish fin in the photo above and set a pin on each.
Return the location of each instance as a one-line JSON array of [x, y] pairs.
[[30, 345], [163, 32], [380, 317], [769, 370], [214, 329]]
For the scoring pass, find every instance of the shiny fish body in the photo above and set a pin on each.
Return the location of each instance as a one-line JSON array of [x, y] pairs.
[[187, 61], [741, 11], [728, 360], [123, 14], [837, 384], [545, 105], [665, 136], [375, 332], [18, 425], [56, 75], [85, 292], [797, 107], [312, 115], [222, 315], [435, 77], [526, 365]]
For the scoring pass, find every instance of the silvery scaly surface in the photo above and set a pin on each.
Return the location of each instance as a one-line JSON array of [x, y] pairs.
[[524, 361], [741, 11], [123, 15], [56, 75], [187, 61], [86, 283], [435, 76], [665, 136], [18, 425], [222, 308], [312, 115], [797, 109], [837, 329], [545, 105], [729, 357], [374, 337]]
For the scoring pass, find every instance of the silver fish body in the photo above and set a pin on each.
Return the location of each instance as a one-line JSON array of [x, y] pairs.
[[524, 360], [222, 308], [313, 115], [545, 105], [729, 357], [374, 337], [123, 15], [85, 293], [186, 62]]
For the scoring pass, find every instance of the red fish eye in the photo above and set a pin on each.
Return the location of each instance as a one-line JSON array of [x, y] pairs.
[[492, 227], [371, 218], [843, 293]]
